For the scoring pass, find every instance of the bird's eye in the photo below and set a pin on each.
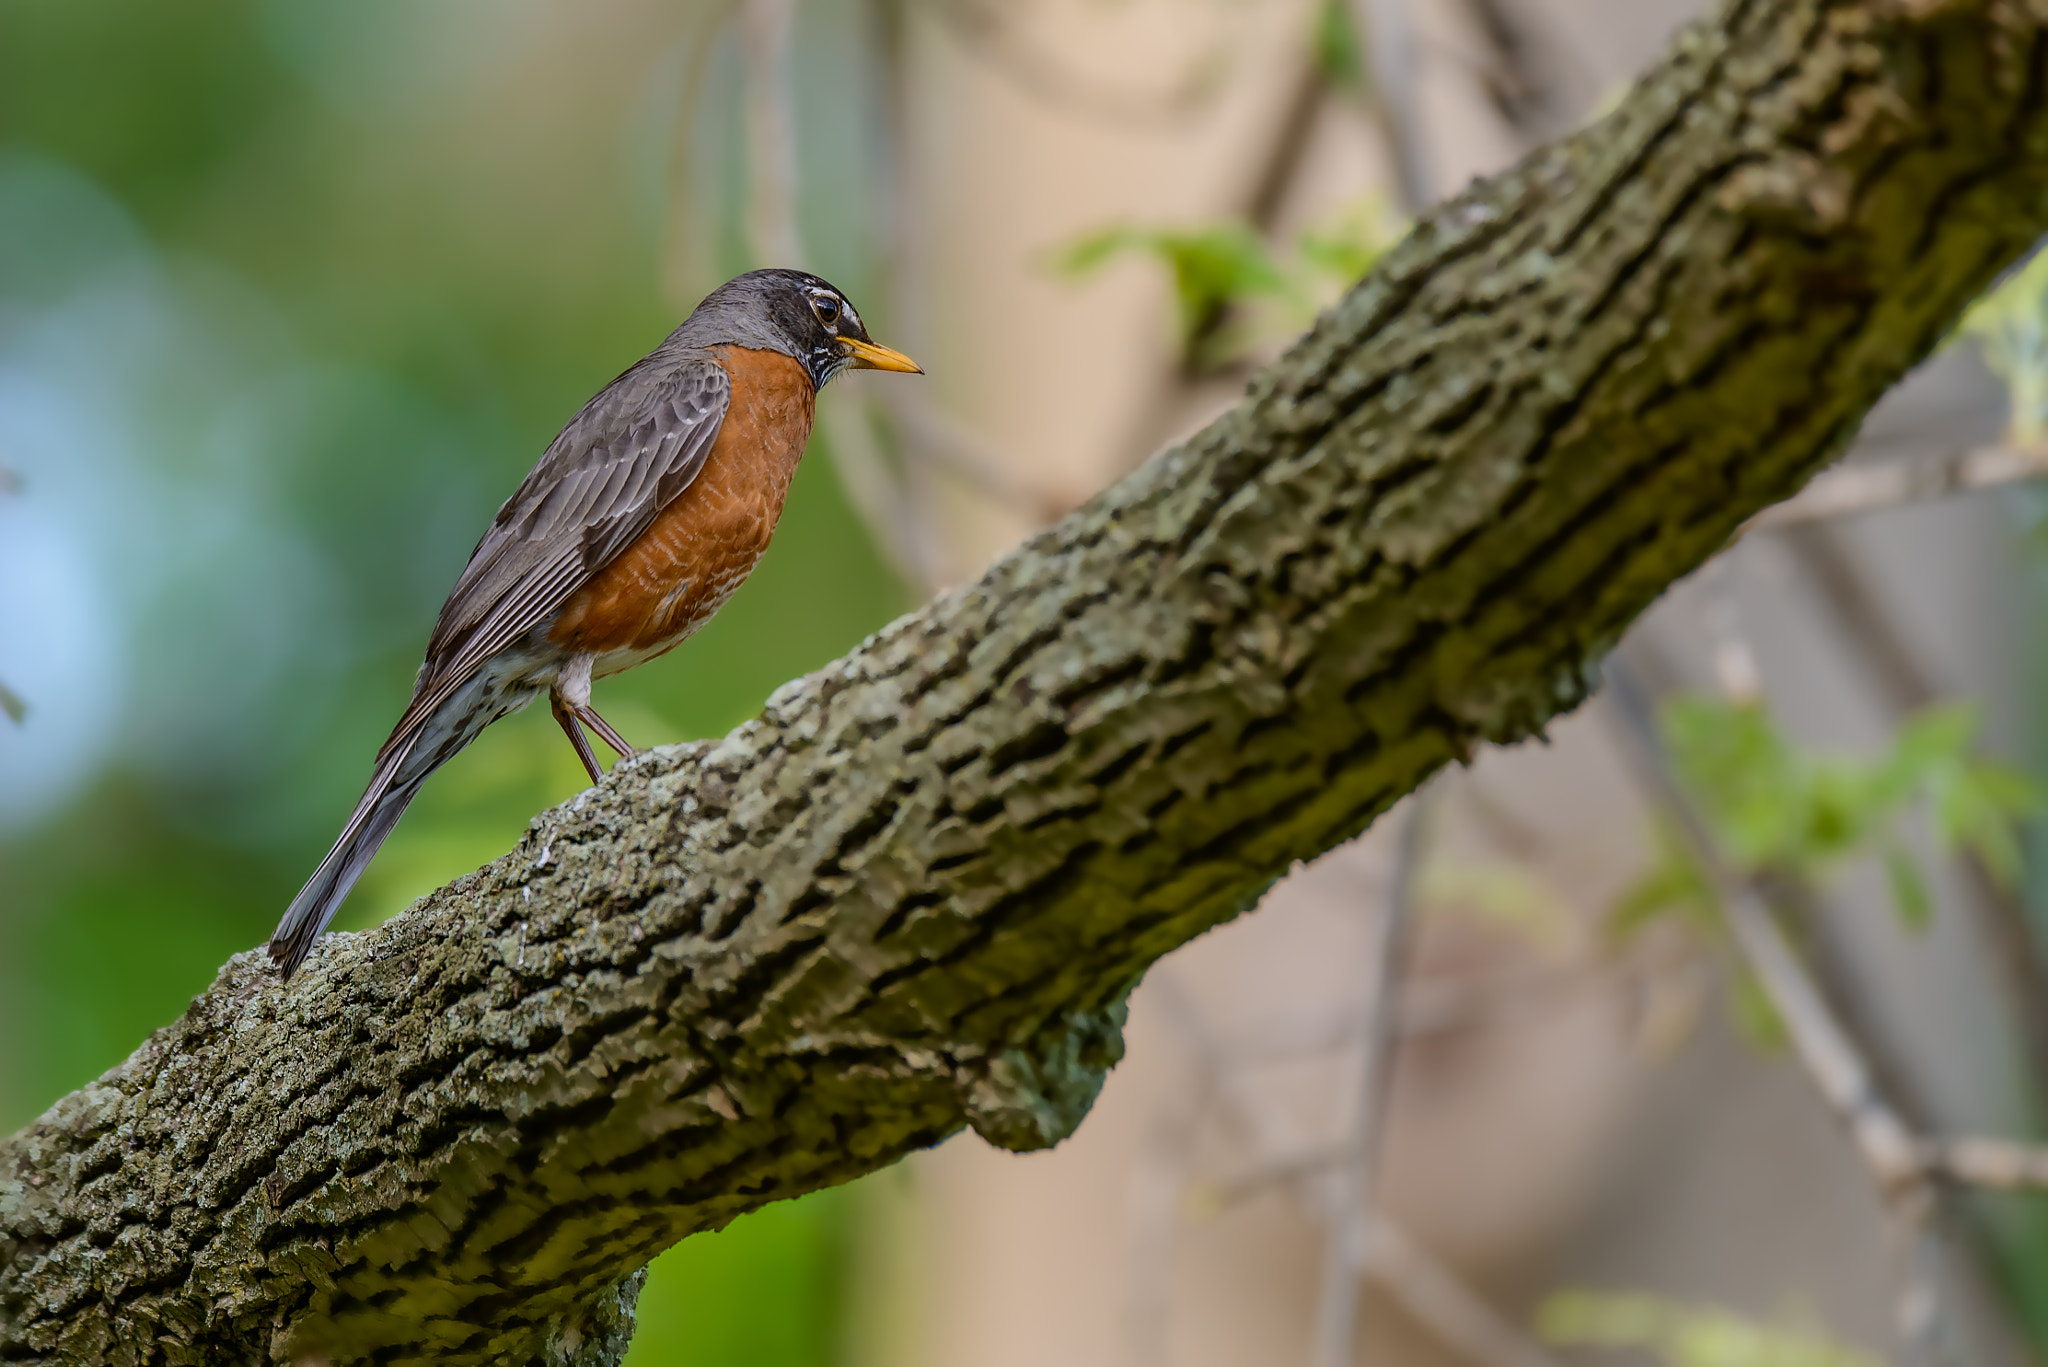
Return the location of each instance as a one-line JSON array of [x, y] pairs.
[[826, 307]]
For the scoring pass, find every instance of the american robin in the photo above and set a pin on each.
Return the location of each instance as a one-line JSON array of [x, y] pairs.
[[643, 516]]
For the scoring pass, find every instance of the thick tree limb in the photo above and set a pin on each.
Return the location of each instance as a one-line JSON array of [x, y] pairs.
[[914, 894]]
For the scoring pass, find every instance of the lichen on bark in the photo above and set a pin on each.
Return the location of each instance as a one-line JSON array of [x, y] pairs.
[[914, 894]]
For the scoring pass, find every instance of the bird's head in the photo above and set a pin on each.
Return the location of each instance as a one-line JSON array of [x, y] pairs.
[[803, 316]]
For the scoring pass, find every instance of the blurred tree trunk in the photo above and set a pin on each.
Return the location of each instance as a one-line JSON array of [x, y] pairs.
[[914, 894]]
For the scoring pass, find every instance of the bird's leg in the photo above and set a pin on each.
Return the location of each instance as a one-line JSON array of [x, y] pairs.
[[588, 716], [567, 718], [570, 698]]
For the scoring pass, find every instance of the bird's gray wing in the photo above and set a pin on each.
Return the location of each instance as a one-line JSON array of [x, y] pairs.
[[627, 455]]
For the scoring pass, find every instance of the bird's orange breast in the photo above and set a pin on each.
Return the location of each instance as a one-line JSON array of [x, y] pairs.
[[698, 550]]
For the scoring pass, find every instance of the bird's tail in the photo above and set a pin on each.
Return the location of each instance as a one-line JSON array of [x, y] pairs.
[[419, 746], [368, 826]]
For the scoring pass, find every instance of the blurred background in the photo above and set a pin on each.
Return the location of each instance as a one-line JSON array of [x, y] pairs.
[[292, 292]]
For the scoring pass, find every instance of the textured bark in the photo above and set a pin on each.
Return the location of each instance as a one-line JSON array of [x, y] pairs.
[[914, 894]]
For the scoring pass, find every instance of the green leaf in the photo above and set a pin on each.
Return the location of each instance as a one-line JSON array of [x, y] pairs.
[[2011, 791], [1091, 253], [1842, 809], [1218, 267], [1975, 804], [1674, 885], [1928, 741], [1749, 781], [12, 704], [1347, 250], [1777, 808], [1909, 889], [1212, 267]]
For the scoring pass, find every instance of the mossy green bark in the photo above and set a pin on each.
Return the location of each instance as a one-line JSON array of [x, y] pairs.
[[914, 894]]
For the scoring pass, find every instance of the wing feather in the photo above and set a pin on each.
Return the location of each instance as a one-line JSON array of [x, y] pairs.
[[628, 454]]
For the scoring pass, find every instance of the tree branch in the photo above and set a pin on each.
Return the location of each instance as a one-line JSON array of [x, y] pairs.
[[1849, 490], [1895, 1156], [914, 893], [1888, 664], [1351, 1198]]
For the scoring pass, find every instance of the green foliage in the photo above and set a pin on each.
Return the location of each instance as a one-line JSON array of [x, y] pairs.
[[1675, 886], [1783, 811], [1213, 267], [1686, 1335], [1346, 247], [2010, 326], [1224, 268]]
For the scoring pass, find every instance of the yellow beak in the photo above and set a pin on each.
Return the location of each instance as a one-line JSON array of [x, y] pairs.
[[869, 356]]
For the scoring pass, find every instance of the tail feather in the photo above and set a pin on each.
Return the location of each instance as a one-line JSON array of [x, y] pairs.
[[417, 748], [367, 829]]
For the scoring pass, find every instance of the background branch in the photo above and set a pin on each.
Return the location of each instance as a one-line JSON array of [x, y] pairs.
[[1889, 663], [1849, 490], [1345, 1254]]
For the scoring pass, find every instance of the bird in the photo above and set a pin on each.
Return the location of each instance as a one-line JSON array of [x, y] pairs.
[[643, 515]]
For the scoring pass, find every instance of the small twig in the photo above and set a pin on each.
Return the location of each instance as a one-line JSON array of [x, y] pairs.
[[1847, 490], [877, 495], [1166, 1176], [1823, 1044], [1273, 177], [1529, 72], [1420, 1010], [1998, 1164], [771, 133], [1159, 1186], [934, 436], [1426, 1289], [1392, 55], [1831, 1059], [1918, 1311], [1891, 666], [1896, 1157], [1429, 1291], [683, 252], [1344, 1255], [1227, 1190], [1447, 1307], [1266, 195], [1736, 671], [1496, 56], [1263, 1131], [1435, 1006], [986, 31]]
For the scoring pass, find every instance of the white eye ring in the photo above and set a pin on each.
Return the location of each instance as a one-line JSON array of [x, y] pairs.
[[828, 307]]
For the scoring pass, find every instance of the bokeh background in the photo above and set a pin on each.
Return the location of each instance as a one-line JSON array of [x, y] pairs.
[[292, 292]]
